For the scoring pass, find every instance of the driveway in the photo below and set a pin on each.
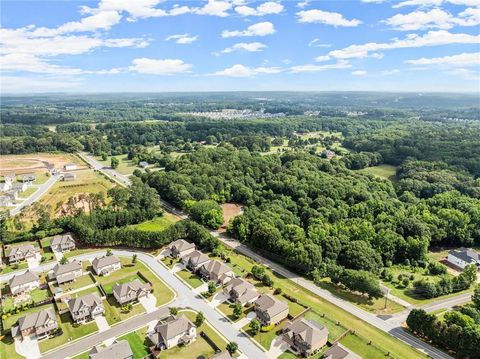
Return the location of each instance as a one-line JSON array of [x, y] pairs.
[[149, 303], [201, 289], [218, 299], [58, 255], [102, 323], [278, 347], [34, 261], [244, 321], [28, 347], [178, 267]]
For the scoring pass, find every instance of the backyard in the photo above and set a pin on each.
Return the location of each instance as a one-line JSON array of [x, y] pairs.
[[191, 278], [137, 341]]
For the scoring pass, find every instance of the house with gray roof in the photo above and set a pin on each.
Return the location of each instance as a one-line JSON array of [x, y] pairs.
[[217, 271], [172, 332], [180, 248], [5, 201], [67, 272], [63, 243], [338, 351], [29, 177], [86, 307], [131, 291], [106, 265], [20, 253], [238, 290], [462, 257], [40, 324], [270, 310], [305, 336], [120, 349], [195, 260], [222, 355], [25, 282]]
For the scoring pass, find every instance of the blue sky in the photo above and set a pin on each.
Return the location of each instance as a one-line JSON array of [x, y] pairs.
[[229, 45]]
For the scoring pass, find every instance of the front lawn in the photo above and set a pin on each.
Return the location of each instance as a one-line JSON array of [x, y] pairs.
[[13, 267], [114, 313], [137, 343], [191, 278], [265, 339], [77, 252], [227, 309], [7, 349], [69, 333]]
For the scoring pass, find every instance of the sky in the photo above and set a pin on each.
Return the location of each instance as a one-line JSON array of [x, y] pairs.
[[239, 45]]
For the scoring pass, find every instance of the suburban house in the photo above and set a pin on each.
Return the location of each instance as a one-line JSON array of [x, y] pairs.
[[120, 349], [180, 248], [195, 260], [69, 176], [25, 282], [143, 164], [29, 177], [222, 355], [270, 310], [70, 167], [131, 291], [5, 201], [13, 194], [20, 253], [40, 324], [67, 272], [305, 336], [9, 177], [86, 307], [106, 265], [238, 290], [328, 154], [217, 271], [63, 243], [338, 351], [19, 187], [172, 332], [5, 186], [463, 256]]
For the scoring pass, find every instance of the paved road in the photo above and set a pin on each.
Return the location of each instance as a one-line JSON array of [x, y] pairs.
[[186, 298], [117, 177], [42, 189]]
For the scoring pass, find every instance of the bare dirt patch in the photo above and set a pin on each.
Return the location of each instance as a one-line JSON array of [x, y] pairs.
[[230, 211], [33, 162]]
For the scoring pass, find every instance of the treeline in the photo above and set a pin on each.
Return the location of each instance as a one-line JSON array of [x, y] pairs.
[[30, 141]]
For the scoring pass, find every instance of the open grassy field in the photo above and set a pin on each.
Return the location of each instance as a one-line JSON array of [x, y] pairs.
[[125, 166], [383, 171], [157, 224], [37, 163]]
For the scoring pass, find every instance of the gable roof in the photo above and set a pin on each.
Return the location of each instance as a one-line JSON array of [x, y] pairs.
[[216, 267], [309, 331], [91, 300], [118, 350], [104, 261], [173, 327], [121, 289], [64, 239], [271, 305], [36, 319], [197, 257], [72, 266], [466, 254], [11, 251], [181, 245], [24, 278], [338, 351], [244, 290]]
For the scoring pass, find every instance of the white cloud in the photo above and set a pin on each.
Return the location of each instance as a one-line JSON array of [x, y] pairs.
[[359, 73], [12, 84], [323, 58], [182, 39], [215, 8], [245, 46], [258, 29], [373, 1], [460, 60], [316, 43], [390, 72], [303, 4], [159, 66], [239, 70], [325, 17], [435, 18], [431, 38], [266, 8], [342, 64], [428, 3]]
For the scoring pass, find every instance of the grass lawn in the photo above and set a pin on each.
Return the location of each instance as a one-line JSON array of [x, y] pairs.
[[137, 343], [77, 252], [45, 242], [80, 282], [62, 305], [199, 347], [191, 278], [227, 309], [160, 290], [28, 192], [376, 306], [397, 348], [169, 261], [7, 349], [12, 319], [157, 224], [383, 171], [109, 286], [360, 347], [334, 330], [82, 356], [36, 295], [114, 313], [265, 339], [69, 333], [125, 166]]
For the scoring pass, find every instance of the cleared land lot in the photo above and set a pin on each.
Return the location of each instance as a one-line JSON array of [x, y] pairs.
[[383, 171], [157, 224], [125, 166]]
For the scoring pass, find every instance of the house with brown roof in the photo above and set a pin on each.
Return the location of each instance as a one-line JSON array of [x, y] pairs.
[[195, 260], [67, 272], [86, 307], [270, 310], [180, 248], [338, 351], [216, 271], [131, 291], [172, 332], [238, 290], [20, 253], [106, 265], [40, 324], [120, 349], [25, 282], [63, 243], [305, 336]]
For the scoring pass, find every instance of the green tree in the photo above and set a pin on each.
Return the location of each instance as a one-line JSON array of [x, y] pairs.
[[134, 258], [207, 212], [199, 319], [476, 297], [255, 326], [232, 347], [109, 252], [63, 260], [173, 310], [212, 287], [114, 162], [237, 310]]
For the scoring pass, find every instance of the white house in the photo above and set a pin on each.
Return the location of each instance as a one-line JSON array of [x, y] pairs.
[[106, 265], [172, 332], [463, 256], [25, 282], [70, 167]]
